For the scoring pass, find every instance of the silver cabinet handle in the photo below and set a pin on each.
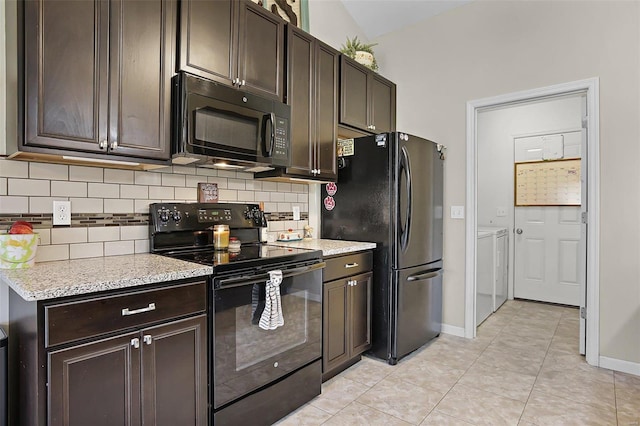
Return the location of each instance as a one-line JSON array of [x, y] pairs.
[[135, 342], [234, 81], [114, 145], [102, 144], [351, 265], [147, 339], [127, 311], [519, 231], [242, 83], [353, 283], [373, 127]]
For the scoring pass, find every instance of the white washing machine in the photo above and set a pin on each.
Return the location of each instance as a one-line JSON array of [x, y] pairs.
[[484, 276], [500, 251]]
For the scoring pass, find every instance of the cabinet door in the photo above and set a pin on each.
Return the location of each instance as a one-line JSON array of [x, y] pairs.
[[300, 62], [326, 113], [174, 373], [142, 58], [95, 384], [335, 347], [383, 104], [66, 74], [360, 310], [261, 51], [208, 39], [354, 94]]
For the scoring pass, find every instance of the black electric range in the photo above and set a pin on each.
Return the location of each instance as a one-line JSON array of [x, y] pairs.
[[256, 375]]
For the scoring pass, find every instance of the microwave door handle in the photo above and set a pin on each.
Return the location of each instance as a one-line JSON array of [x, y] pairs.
[[269, 141]]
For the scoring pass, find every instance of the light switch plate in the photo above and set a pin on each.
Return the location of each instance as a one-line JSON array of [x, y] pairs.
[[296, 212], [457, 212]]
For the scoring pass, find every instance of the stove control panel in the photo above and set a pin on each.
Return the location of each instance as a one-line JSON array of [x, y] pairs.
[[214, 215], [171, 217]]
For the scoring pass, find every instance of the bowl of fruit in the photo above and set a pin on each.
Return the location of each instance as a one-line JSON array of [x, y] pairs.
[[18, 246]]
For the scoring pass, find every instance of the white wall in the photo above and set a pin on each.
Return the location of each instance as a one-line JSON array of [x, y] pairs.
[[330, 22], [488, 48]]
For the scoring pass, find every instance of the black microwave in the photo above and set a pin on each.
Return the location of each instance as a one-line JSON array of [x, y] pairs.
[[219, 126]]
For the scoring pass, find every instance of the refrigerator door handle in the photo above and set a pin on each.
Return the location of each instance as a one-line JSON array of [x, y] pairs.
[[425, 275], [404, 232]]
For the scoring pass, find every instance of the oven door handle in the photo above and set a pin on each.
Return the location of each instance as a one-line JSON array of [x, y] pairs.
[[287, 273]]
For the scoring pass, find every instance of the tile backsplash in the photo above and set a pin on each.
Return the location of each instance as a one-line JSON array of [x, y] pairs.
[[110, 207]]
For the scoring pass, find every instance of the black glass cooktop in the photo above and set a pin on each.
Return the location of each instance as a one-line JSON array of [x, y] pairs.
[[249, 256]]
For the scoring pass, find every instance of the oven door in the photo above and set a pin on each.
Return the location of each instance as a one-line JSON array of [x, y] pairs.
[[245, 357]]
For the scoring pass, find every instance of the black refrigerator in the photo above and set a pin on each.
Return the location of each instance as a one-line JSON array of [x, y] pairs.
[[389, 191]]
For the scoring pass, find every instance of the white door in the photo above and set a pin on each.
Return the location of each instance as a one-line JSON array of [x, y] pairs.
[[548, 254]]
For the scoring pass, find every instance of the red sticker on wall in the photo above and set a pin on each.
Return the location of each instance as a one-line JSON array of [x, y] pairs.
[[329, 203], [331, 188]]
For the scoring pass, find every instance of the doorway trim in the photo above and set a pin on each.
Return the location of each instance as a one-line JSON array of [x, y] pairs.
[[591, 87]]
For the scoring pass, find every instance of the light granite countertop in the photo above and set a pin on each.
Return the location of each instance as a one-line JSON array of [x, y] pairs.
[[329, 247], [49, 280]]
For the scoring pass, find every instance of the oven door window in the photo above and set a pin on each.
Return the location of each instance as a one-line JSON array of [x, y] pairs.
[[245, 356]]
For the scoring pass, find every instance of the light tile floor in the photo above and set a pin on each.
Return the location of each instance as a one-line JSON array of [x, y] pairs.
[[522, 369]]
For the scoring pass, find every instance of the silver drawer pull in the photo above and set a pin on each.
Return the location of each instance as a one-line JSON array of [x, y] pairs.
[[351, 265], [126, 311]]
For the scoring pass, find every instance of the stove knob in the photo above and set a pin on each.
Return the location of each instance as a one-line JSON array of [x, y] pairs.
[[176, 216], [164, 215]]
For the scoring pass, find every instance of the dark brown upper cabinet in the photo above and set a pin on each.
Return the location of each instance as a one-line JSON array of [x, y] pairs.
[[367, 100], [311, 90], [97, 78], [234, 42]]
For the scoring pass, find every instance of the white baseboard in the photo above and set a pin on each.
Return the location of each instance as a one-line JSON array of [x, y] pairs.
[[453, 330], [620, 365]]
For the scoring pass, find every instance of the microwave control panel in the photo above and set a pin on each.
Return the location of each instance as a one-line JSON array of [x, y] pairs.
[[280, 144]]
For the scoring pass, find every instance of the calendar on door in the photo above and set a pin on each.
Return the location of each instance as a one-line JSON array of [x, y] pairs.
[[548, 183]]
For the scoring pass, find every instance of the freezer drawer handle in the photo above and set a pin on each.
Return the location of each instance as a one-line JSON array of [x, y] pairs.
[[425, 276], [351, 265], [126, 311]]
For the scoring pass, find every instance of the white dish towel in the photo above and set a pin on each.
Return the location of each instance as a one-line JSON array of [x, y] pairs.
[[272, 315]]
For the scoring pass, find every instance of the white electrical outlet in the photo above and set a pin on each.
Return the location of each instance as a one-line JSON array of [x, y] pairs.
[[62, 212], [296, 212]]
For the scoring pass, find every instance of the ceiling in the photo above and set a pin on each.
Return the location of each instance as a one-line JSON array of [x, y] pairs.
[[378, 17]]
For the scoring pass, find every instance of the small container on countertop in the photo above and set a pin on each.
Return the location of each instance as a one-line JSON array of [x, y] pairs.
[[234, 244]]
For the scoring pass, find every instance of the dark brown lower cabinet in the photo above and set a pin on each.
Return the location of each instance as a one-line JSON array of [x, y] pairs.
[[346, 313], [97, 383], [157, 375], [149, 369]]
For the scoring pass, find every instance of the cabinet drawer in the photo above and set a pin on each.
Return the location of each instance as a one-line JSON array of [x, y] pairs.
[[344, 266], [67, 322]]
